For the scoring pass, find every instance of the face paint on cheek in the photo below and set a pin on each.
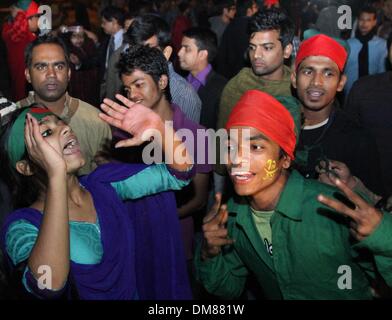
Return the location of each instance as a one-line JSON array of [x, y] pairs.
[[270, 169]]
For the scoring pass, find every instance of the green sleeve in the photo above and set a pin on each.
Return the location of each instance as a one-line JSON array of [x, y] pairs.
[[380, 244], [20, 239], [152, 180], [223, 275]]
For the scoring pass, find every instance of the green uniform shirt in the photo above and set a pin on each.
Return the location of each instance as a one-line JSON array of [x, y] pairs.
[[311, 243]]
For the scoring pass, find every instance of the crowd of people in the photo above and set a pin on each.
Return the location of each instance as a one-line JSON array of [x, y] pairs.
[[302, 189]]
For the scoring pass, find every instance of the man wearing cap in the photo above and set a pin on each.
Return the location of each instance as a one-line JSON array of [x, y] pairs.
[[328, 133], [17, 33], [277, 229]]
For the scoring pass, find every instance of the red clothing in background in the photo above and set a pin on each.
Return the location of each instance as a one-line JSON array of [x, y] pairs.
[[16, 36]]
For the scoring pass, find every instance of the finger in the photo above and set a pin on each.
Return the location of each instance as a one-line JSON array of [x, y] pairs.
[[215, 208], [352, 196], [128, 143], [31, 131], [28, 136], [112, 121], [322, 164], [114, 105], [219, 242], [37, 137], [337, 206], [355, 234], [125, 101], [215, 233], [112, 112], [223, 215]]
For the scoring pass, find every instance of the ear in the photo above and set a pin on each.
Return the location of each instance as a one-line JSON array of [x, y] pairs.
[[27, 75], [24, 168], [163, 82], [203, 54], [342, 83], [293, 78], [69, 74], [167, 52], [286, 162], [287, 51]]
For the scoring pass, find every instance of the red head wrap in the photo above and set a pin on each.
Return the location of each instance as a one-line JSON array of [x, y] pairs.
[[322, 45], [263, 112], [32, 9]]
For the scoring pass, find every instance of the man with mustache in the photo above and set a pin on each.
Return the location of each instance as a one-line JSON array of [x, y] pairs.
[[48, 71], [328, 132]]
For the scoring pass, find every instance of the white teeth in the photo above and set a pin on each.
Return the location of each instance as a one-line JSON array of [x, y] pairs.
[[239, 173], [70, 144]]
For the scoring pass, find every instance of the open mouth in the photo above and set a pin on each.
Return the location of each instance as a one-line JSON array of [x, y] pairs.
[[315, 94], [71, 147], [241, 177]]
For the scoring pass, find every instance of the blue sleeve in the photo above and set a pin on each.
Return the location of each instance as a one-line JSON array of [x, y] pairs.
[[20, 240], [152, 180]]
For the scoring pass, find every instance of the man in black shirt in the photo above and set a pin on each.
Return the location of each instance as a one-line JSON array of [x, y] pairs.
[[328, 132]]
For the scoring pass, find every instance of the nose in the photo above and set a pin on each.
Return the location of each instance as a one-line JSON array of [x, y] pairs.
[[180, 53], [258, 53], [133, 95], [51, 71], [65, 130], [317, 79], [239, 157]]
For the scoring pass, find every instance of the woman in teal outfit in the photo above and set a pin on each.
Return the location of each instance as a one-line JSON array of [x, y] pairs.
[[80, 230]]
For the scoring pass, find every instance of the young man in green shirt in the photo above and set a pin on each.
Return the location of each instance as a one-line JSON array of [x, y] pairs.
[[317, 252]]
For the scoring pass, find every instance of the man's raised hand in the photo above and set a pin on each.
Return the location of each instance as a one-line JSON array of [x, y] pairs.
[[364, 217], [214, 229]]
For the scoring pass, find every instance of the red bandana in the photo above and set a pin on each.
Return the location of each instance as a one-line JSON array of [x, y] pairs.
[[322, 45], [263, 112]]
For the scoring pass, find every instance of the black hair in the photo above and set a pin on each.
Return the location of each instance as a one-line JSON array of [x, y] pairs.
[[368, 9], [148, 60], [273, 19], [45, 39], [205, 40], [112, 12], [144, 27], [24, 189], [183, 6], [225, 4], [243, 6]]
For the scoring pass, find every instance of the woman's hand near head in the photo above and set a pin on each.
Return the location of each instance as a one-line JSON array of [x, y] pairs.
[[48, 157]]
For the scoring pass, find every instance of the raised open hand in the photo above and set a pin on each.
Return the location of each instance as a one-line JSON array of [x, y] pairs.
[[364, 217], [48, 157], [214, 229], [136, 119]]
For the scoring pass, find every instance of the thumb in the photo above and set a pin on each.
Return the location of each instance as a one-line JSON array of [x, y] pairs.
[[128, 143]]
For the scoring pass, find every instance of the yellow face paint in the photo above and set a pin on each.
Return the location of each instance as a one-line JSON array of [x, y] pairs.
[[270, 169]]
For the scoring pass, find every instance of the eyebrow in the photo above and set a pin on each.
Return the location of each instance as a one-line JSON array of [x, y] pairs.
[[315, 68], [46, 63], [258, 137], [261, 44]]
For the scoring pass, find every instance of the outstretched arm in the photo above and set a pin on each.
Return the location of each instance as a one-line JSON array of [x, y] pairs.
[[146, 125]]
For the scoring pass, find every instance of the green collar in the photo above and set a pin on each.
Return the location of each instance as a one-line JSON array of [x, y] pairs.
[[289, 205]]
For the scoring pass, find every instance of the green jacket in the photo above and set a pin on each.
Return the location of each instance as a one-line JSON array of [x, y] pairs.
[[310, 242]]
